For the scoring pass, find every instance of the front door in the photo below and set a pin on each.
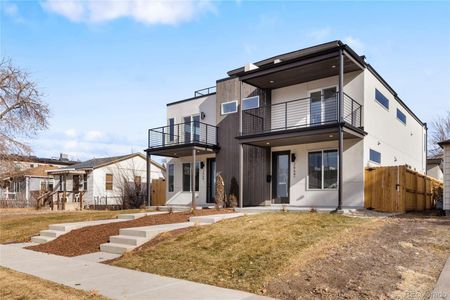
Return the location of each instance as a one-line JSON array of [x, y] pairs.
[[211, 184], [280, 177]]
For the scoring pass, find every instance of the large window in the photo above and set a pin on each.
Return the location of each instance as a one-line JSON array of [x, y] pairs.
[[322, 169], [187, 177], [229, 107], [380, 98], [375, 156], [251, 102], [171, 177], [401, 116], [109, 182]]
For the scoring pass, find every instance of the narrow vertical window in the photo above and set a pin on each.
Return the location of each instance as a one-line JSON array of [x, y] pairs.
[[315, 170], [171, 129], [186, 177], [109, 182], [171, 177]]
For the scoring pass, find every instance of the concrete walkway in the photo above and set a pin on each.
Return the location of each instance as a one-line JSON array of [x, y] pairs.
[[110, 281], [442, 289]]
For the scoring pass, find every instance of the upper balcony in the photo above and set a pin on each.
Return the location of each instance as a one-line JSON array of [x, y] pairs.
[[316, 118], [177, 140], [320, 109]]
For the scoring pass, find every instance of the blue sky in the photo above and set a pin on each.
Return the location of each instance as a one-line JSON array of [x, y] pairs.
[[108, 68]]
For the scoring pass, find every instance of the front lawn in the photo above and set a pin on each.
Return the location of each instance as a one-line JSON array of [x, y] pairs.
[[19, 227], [15, 285], [241, 253]]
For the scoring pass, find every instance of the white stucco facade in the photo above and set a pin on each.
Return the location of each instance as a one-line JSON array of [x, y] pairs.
[[446, 148]]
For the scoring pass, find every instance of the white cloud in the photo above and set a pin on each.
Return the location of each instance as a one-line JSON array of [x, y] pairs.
[[12, 11], [71, 133], [320, 34], [148, 12], [93, 135], [356, 44]]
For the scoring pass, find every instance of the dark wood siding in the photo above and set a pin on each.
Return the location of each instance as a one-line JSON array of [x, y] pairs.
[[256, 159]]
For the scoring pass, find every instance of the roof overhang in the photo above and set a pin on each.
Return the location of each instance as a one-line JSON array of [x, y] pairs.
[[300, 66], [67, 172]]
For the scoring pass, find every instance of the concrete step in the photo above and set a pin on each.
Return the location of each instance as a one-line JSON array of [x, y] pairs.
[[127, 240], [211, 219], [151, 231], [51, 233], [63, 227], [41, 239], [139, 215], [116, 248]]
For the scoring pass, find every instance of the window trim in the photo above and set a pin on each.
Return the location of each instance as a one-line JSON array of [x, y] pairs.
[[232, 112], [396, 114], [322, 173], [248, 98], [382, 105], [375, 162]]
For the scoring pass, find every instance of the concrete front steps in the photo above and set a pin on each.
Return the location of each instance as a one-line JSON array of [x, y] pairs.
[[56, 230], [131, 238]]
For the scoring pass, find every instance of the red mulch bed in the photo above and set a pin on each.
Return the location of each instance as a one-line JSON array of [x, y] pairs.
[[88, 239]]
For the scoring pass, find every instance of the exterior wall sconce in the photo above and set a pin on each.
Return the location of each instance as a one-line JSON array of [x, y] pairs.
[[202, 165], [202, 115], [293, 157]]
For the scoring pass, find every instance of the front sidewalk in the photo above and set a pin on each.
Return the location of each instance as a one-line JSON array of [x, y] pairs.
[[110, 281]]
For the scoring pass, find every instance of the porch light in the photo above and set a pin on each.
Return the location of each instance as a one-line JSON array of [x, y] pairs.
[[333, 66], [271, 81], [267, 143], [330, 136]]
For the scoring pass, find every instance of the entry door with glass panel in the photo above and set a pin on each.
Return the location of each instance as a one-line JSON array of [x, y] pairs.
[[280, 177], [323, 106]]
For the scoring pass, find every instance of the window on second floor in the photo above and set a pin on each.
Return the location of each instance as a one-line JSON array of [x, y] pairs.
[[380, 98], [375, 156], [171, 129], [109, 182], [401, 116], [251, 102], [228, 107]]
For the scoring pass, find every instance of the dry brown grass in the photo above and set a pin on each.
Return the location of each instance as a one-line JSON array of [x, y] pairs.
[[19, 227], [241, 253], [15, 285]]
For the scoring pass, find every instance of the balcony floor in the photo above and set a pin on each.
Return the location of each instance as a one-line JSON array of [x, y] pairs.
[[303, 135], [181, 150]]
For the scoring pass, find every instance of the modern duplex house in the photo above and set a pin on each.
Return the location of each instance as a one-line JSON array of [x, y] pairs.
[[295, 129]]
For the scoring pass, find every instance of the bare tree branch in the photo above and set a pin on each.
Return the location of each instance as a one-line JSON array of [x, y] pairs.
[[22, 111], [439, 131]]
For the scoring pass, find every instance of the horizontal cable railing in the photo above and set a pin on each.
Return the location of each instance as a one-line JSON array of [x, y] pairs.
[[183, 133], [304, 112], [205, 91]]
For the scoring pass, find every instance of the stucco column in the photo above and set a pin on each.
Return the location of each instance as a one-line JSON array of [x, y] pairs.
[[193, 178], [148, 183]]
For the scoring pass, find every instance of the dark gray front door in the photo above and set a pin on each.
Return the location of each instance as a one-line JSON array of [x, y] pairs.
[[280, 176], [211, 184]]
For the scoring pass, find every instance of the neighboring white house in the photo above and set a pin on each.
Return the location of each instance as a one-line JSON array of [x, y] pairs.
[[25, 185], [435, 167], [286, 128], [446, 146], [100, 181]]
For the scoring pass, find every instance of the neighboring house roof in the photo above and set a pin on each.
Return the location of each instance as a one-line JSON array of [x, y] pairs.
[[443, 143], [40, 171], [435, 160], [104, 161], [42, 160]]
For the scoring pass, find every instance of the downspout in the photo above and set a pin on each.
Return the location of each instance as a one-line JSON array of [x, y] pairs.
[[241, 152]]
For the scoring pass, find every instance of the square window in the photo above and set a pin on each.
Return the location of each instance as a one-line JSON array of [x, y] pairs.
[[375, 156]]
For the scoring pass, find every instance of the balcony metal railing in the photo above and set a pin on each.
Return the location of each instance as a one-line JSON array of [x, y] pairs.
[[205, 91], [300, 113], [193, 132]]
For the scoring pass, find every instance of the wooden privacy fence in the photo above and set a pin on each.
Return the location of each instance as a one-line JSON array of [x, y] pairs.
[[398, 189], [158, 192]]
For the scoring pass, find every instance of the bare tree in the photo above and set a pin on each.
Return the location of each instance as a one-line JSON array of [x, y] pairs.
[[22, 111], [439, 131], [129, 183]]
